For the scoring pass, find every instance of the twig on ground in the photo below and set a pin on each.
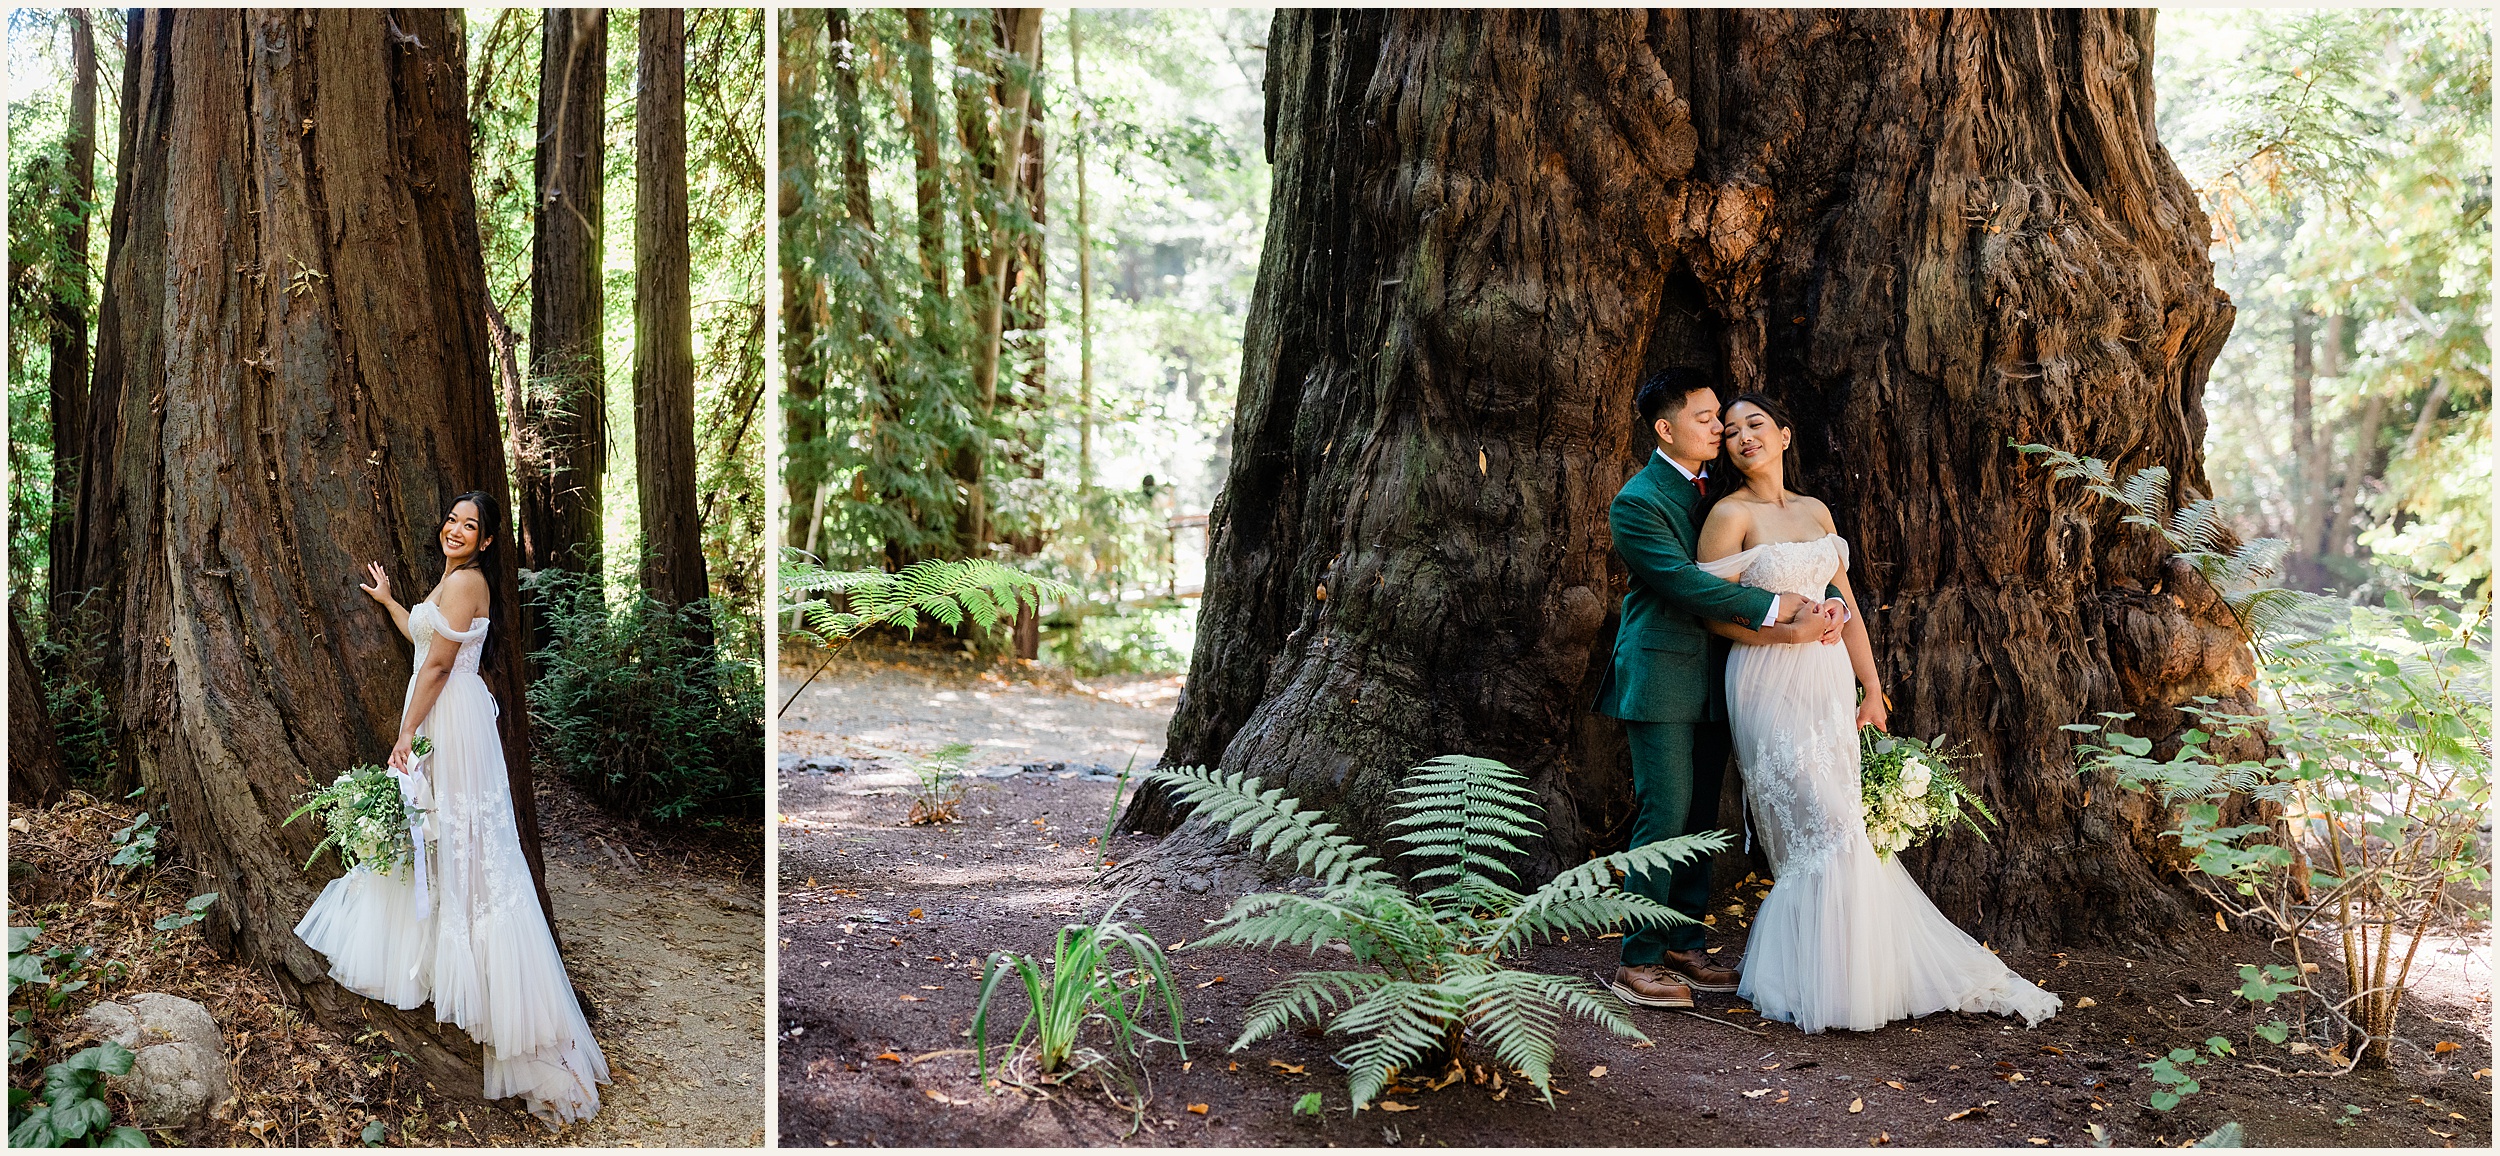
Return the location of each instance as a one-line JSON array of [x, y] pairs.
[[1717, 1020]]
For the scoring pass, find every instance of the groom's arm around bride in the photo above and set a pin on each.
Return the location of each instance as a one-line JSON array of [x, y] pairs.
[[1664, 681]]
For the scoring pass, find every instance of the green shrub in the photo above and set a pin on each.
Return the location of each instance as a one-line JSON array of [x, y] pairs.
[[1153, 640], [65, 650], [1440, 979], [634, 705]]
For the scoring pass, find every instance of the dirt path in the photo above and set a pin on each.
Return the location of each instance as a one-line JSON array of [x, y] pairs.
[[884, 926], [670, 951]]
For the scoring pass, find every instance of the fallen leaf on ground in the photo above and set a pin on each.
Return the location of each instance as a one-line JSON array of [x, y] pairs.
[[1200, 1109], [913, 999], [1969, 1113], [2444, 1047], [2219, 925], [1212, 982], [932, 987], [1881, 1138], [1757, 1093], [889, 1056], [2087, 1001], [1597, 1072], [943, 1098], [916, 913], [2054, 1051], [1856, 1106], [1895, 1085], [2037, 1139], [1175, 945], [1288, 1069], [1185, 1064], [1394, 1106]]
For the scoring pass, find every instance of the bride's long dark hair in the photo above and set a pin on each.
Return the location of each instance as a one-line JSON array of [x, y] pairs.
[[487, 561], [1725, 478]]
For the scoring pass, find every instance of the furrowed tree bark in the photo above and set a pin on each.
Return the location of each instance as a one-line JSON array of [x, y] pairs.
[[1926, 231], [68, 382], [297, 346], [672, 539], [37, 777], [564, 412]]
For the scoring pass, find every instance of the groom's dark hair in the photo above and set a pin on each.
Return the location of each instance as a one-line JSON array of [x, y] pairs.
[[1667, 389]]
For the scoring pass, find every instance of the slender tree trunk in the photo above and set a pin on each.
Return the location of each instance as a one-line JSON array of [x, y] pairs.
[[1084, 270], [1024, 289], [297, 346], [976, 92], [672, 540], [928, 189], [802, 45], [2309, 530], [37, 776], [2344, 539], [1927, 231], [69, 370], [564, 412], [2429, 414]]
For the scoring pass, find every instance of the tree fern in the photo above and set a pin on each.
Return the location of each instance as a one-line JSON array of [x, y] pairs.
[[948, 593], [1439, 953], [2242, 574]]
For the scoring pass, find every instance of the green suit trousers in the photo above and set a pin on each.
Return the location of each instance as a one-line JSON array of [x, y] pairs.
[[1676, 773]]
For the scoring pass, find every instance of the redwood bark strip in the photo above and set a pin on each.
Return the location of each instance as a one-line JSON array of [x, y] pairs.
[[803, 466], [565, 448], [299, 350], [672, 540], [1926, 231], [68, 369]]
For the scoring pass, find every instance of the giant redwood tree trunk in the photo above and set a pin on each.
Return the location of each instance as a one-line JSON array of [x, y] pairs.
[[297, 354], [564, 413], [1926, 231], [672, 539]]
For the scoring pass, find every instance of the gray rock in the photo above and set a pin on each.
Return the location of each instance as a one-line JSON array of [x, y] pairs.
[[815, 765], [179, 1077]]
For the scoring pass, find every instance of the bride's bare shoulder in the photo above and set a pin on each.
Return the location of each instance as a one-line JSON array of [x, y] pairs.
[[464, 591]]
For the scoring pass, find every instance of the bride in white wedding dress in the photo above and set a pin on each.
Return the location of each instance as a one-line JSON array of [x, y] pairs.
[[472, 937], [1846, 939]]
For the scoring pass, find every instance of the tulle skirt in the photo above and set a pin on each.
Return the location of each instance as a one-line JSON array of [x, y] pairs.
[[484, 954], [1846, 939]]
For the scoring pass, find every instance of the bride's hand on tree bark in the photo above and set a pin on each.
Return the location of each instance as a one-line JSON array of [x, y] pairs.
[[380, 590]]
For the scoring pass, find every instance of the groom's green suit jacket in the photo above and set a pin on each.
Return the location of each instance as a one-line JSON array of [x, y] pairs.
[[1667, 667]]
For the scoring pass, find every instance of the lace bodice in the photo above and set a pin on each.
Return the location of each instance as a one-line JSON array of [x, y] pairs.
[[1786, 567], [426, 620]]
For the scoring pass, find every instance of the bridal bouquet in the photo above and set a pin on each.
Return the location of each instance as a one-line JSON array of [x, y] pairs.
[[1912, 792], [367, 815]]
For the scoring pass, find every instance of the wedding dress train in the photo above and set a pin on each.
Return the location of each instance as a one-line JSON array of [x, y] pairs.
[[481, 950], [1846, 939]]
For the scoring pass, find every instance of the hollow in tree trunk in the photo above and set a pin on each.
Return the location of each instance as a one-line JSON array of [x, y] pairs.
[[297, 350], [672, 540], [1926, 231], [564, 411]]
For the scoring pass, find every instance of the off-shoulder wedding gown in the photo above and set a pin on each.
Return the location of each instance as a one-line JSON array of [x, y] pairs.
[[1846, 938], [482, 952]]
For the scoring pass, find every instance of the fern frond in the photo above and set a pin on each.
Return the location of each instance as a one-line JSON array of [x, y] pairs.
[[1464, 812], [1587, 913], [1506, 935], [2094, 472], [1267, 816], [1309, 997], [2198, 527], [1400, 1023], [2146, 495]]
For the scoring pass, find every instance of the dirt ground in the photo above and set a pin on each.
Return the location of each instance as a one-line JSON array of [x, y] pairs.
[[664, 936], [883, 929]]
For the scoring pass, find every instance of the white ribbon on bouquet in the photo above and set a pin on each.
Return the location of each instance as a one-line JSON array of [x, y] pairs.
[[416, 797]]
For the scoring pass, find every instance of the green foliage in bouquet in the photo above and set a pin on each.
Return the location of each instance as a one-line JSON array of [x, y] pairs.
[[1913, 790], [366, 819], [1439, 980]]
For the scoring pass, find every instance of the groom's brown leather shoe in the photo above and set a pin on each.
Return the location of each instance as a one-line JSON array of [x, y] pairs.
[[1650, 986], [1694, 970]]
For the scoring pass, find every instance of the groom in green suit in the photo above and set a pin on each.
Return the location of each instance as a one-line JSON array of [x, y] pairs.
[[1668, 677]]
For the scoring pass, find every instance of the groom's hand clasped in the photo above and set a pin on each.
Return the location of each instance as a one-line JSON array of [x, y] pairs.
[[1804, 620]]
